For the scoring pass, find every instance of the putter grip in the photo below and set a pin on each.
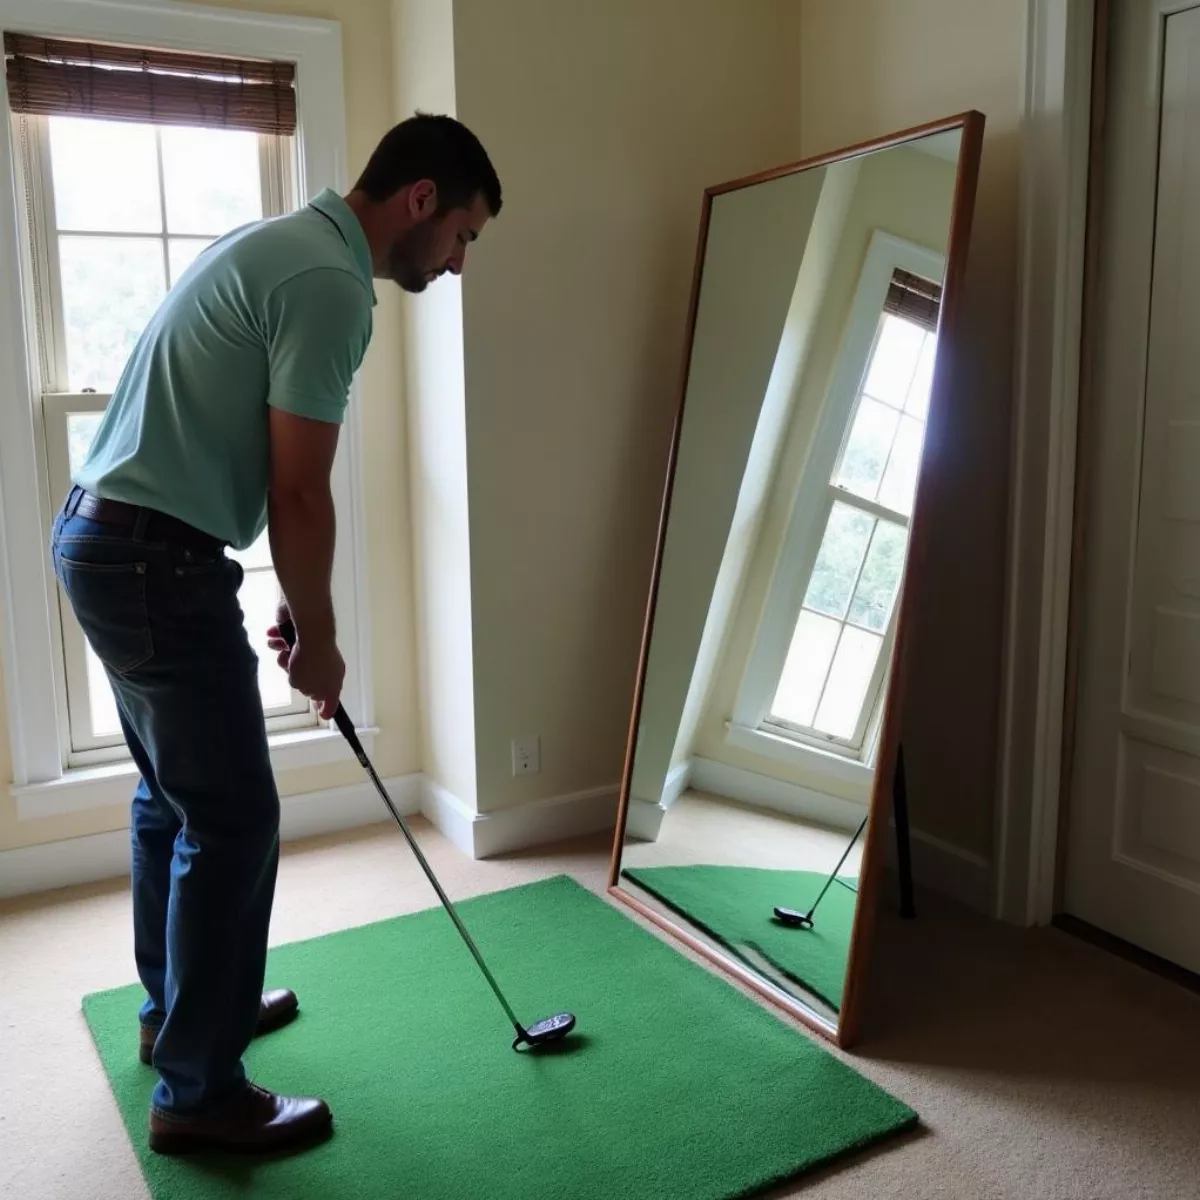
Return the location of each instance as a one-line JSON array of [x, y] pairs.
[[341, 718]]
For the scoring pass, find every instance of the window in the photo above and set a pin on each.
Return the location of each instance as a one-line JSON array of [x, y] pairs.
[[818, 670], [835, 665], [115, 212]]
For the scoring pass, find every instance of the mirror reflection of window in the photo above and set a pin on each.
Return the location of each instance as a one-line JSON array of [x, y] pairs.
[[835, 667]]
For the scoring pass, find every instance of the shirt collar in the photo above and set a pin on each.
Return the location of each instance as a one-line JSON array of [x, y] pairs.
[[329, 204]]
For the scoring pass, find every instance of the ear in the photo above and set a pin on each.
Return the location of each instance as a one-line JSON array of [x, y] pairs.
[[422, 199]]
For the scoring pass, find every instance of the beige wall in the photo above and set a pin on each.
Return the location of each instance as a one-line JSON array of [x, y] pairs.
[[756, 244], [607, 121], [366, 34], [899, 191], [423, 37], [910, 63]]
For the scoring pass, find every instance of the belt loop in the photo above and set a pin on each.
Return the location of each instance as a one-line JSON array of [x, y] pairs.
[[139, 524], [74, 496]]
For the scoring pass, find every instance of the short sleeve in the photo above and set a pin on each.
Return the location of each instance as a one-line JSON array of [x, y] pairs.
[[318, 327]]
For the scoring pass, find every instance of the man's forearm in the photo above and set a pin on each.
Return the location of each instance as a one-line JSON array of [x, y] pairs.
[[302, 529]]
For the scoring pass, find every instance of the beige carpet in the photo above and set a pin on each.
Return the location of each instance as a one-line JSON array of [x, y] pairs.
[[704, 828], [1043, 1069]]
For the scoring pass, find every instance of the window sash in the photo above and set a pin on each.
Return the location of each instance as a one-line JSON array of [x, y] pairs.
[[80, 744], [763, 670]]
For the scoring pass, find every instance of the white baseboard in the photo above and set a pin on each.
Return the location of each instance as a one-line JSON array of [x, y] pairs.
[[678, 782], [762, 791], [453, 819], [645, 820], [106, 855], [483, 835], [479, 835], [947, 869]]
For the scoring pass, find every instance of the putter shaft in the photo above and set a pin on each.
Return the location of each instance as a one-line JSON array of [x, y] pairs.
[[342, 720]]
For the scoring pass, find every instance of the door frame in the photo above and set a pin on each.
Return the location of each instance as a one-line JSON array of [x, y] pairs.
[[1057, 148]]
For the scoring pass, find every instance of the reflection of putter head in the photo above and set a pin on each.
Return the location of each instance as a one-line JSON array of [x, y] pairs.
[[793, 919]]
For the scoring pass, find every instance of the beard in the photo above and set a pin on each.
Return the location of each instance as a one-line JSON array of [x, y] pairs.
[[409, 261]]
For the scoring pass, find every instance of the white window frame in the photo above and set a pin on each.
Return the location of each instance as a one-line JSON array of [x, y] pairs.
[[749, 727], [81, 744], [42, 783]]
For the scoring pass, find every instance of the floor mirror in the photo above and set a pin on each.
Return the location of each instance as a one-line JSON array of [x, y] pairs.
[[765, 738]]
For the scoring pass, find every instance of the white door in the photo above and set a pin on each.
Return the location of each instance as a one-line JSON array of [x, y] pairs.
[[1133, 855]]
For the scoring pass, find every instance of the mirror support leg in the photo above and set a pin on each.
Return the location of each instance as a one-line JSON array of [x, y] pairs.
[[903, 843]]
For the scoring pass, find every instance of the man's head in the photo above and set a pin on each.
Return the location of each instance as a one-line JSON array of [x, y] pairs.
[[426, 193]]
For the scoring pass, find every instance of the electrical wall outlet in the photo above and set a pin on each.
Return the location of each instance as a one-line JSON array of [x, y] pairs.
[[526, 755]]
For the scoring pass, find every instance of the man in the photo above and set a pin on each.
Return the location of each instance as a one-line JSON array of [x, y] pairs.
[[225, 421]]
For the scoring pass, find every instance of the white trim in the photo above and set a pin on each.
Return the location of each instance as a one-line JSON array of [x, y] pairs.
[[106, 855], [762, 791], [809, 512], [678, 781], [26, 583], [484, 835], [453, 819], [113, 784], [1055, 131], [947, 869], [820, 767], [644, 820]]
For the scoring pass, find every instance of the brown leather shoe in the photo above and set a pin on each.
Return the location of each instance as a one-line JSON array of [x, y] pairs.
[[278, 1007], [257, 1122]]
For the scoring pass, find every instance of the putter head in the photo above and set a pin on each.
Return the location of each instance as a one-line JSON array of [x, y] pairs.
[[552, 1029], [792, 918]]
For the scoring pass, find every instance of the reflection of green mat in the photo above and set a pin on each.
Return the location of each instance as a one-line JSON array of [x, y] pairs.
[[678, 1087], [734, 906]]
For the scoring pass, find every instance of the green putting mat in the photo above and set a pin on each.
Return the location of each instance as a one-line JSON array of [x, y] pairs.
[[734, 905], [674, 1087]]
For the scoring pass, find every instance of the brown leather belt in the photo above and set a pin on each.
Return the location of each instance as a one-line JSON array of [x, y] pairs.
[[158, 526]]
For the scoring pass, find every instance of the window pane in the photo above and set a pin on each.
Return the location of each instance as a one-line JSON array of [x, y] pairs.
[[805, 669], [101, 702], [111, 288], [81, 432], [894, 360], [212, 179], [255, 556], [849, 679], [842, 548], [900, 482], [866, 451], [258, 596], [105, 176], [917, 404], [181, 253], [876, 591]]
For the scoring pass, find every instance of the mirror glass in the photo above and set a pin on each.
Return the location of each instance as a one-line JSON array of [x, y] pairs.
[[766, 670]]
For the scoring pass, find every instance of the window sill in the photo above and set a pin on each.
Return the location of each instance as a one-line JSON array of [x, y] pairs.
[[823, 769], [104, 786]]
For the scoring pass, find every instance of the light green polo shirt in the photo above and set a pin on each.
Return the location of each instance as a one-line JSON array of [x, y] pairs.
[[276, 314]]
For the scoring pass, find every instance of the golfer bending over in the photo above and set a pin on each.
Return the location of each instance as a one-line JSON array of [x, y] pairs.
[[224, 423]]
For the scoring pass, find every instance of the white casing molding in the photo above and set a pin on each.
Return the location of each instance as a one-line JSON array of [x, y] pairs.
[[1053, 212]]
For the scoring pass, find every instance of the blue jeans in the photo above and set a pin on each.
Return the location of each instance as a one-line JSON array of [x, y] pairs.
[[163, 617]]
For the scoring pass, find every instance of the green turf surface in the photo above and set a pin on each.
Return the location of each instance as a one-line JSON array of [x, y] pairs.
[[734, 905], [674, 1087]]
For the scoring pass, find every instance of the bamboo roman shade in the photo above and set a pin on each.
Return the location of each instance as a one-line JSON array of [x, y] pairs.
[[53, 77], [913, 298]]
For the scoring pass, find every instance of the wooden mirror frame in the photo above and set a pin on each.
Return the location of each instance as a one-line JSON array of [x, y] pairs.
[[847, 1028]]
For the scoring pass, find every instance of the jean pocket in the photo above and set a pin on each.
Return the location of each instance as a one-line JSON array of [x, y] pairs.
[[109, 601]]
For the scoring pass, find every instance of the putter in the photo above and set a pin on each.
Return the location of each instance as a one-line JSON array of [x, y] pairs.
[[552, 1029], [798, 920]]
